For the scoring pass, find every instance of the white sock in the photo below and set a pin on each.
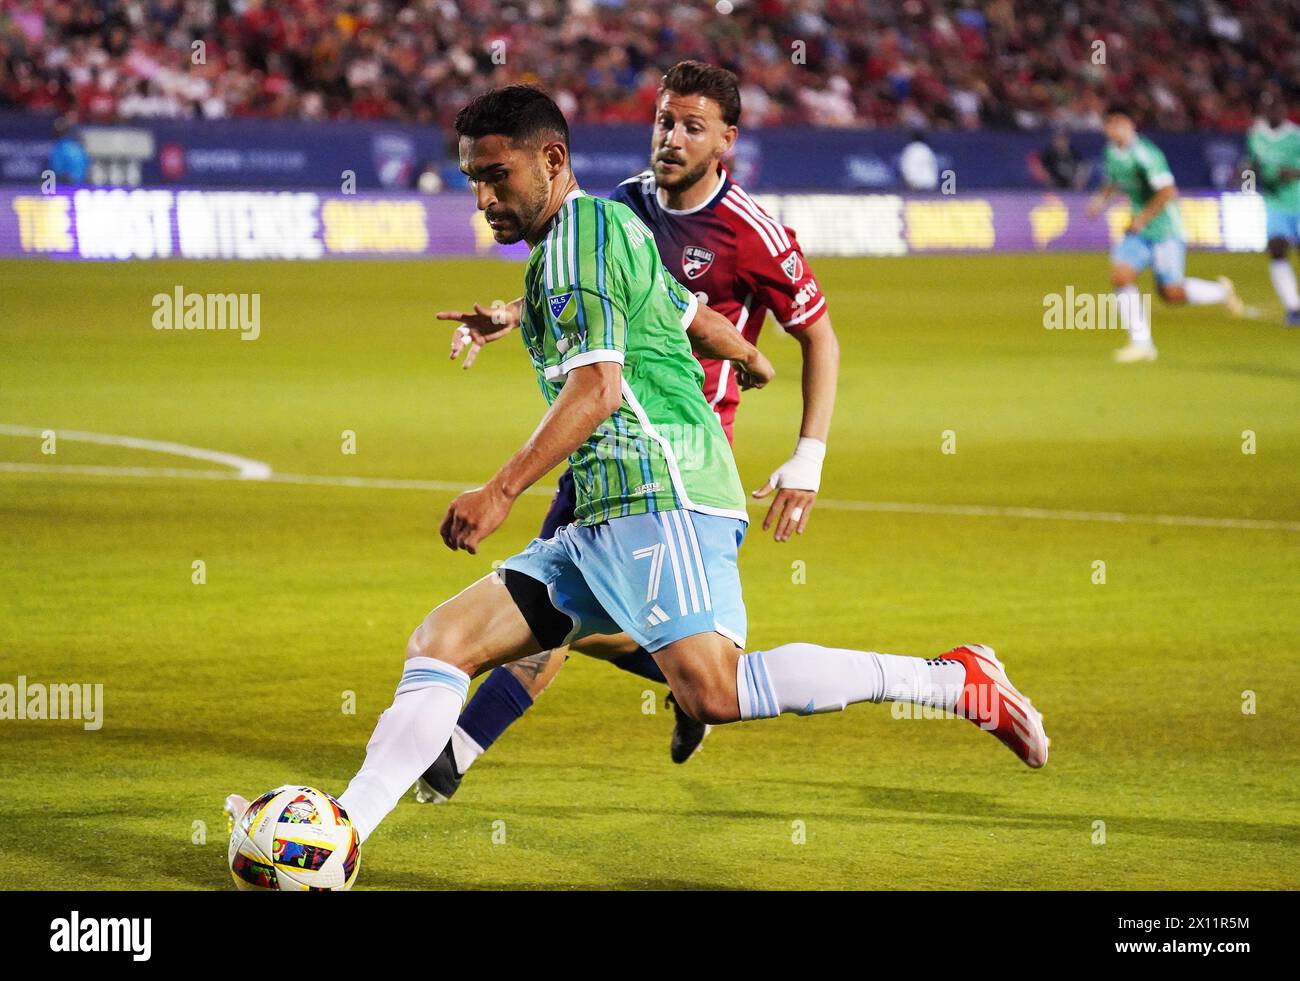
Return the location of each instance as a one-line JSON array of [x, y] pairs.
[[407, 738], [1283, 276], [1202, 291], [1133, 316], [806, 678], [463, 749]]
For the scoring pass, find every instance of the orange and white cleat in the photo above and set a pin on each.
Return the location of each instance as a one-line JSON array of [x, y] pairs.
[[991, 701]]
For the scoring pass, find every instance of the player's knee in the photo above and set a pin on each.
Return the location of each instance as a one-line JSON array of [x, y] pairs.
[[438, 639], [713, 706], [1277, 248], [1119, 278], [1173, 294]]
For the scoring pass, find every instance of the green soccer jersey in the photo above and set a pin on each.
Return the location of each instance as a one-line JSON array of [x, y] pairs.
[[1270, 150], [596, 290], [1140, 170]]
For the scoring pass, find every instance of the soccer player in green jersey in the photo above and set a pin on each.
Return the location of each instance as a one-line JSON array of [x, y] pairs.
[[653, 549], [1155, 237], [1273, 155]]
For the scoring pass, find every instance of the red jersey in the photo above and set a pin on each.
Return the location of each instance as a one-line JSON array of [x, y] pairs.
[[736, 258]]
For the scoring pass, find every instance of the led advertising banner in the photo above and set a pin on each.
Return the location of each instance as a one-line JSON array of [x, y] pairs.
[[139, 223]]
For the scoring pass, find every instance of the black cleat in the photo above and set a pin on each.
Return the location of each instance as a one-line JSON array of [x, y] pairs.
[[687, 733], [441, 781]]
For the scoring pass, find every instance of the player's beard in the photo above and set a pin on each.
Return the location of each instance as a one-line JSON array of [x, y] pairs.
[[524, 219], [686, 181]]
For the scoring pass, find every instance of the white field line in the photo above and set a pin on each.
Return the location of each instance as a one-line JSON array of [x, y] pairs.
[[830, 504], [245, 468]]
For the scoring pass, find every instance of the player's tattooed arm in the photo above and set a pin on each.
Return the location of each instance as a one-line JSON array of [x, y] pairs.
[[483, 325], [714, 336]]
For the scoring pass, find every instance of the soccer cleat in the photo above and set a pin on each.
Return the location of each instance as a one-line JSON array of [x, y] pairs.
[[991, 701], [1130, 353], [688, 735], [1293, 318], [1232, 301], [234, 807], [439, 783]]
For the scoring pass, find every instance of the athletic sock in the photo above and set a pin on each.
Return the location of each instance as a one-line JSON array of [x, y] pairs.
[[497, 704], [1202, 291], [806, 678], [407, 738], [1133, 316], [1284, 284], [464, 750], [640, 663]]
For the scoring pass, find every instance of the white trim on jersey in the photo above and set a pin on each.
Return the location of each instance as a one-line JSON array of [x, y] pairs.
[[578, 360], [806, 315], [734, 205], [691, 309], [659, 198], [721, 390], [777, 228], [674, 472]]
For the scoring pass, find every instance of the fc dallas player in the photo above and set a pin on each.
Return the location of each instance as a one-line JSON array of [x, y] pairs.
[[717, 241]]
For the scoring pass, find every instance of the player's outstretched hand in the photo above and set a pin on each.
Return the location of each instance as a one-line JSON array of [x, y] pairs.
[[484, 325], [796, 483], [473, 516], [754, 373], [789, 511]]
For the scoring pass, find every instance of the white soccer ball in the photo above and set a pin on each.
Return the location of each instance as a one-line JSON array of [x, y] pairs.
[[294, 839]]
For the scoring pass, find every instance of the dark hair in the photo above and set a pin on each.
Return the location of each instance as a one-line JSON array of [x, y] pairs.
[[525, 114], [1120, 109], [710, 81]]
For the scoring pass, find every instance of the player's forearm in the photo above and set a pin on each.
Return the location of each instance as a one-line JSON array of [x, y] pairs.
[[591, 394], [821, 370], [1157, 203], [714, 336]]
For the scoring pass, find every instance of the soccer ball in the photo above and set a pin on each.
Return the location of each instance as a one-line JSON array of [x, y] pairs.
[[294, 839]]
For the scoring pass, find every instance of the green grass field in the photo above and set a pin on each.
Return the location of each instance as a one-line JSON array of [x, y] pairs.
[[313, 588]]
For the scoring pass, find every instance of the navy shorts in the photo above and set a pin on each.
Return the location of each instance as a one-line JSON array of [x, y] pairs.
[[563, 504]]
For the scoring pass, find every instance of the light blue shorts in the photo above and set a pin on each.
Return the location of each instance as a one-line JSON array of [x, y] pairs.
[[1282, 224], [657, 577], [1167, 258]]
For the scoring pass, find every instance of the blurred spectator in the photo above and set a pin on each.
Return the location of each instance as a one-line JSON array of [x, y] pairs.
[[1060, 165], [68, 158], [933, 64]]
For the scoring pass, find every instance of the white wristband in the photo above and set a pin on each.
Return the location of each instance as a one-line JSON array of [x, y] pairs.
[[803, 471]]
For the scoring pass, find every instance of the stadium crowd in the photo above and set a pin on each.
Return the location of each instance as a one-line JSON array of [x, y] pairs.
[[924, 64]]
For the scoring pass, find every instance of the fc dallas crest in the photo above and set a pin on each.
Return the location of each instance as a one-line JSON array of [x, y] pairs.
[[696, 261]]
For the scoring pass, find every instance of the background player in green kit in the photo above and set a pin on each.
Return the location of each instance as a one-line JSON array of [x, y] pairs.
[[1273, 154], [1155, 237], [653, 549]]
